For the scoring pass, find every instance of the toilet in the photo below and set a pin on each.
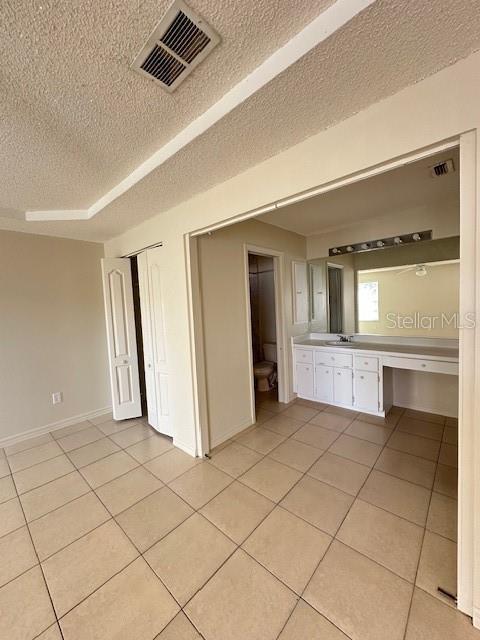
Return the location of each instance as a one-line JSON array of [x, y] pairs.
[[262, 371]]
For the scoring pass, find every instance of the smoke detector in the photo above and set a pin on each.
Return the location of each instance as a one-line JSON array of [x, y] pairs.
[[442, 168], [178, 44]]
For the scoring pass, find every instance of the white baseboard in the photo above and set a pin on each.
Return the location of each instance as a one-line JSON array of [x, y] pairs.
[[39, 431]]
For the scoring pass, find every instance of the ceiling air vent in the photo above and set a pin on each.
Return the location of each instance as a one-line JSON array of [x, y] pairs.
[[180, 41], [442, 168]]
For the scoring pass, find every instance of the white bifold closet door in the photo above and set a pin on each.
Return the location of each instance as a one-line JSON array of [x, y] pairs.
[[122, 343], [151, 281]]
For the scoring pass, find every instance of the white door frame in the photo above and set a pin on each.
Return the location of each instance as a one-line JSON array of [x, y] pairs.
[[469, 339], [282, 350]]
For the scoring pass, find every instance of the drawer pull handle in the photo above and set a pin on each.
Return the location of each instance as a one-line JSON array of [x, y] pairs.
[[361, 377], [365, 362], [338, 373], [424, 365]]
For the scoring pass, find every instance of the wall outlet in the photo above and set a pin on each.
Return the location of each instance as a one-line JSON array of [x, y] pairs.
[[57, 397]]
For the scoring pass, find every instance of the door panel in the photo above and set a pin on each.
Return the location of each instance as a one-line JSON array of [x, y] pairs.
[[122, 345], [150, 385], [300, 292], [159, 348], [304, 379], [366, 390], [343, 386], [324, 384]]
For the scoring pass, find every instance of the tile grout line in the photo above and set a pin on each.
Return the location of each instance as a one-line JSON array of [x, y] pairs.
[[39, 564], [421, 550], [334, 537]]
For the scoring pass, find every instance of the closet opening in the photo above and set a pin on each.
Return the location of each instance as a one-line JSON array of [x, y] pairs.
[[138, 333]]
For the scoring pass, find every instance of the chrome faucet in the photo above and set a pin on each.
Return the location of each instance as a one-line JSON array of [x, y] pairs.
[[343, 338]]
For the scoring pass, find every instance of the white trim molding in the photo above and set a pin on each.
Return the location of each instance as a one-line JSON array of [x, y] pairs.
[[53, 426], [326, 24]]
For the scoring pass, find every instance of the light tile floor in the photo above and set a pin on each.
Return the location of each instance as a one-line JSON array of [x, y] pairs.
[[314, 523]]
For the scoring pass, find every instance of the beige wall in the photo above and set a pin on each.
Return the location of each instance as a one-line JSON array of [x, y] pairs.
[[434, 297], [52, 331], [224, 302]]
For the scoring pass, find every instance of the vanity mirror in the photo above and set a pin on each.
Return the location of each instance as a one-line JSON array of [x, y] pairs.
[[404, 290]]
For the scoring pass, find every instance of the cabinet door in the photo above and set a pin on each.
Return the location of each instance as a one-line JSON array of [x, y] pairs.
[[324, 384], [366, 390], [304, 380], [300, 292], [343, 386]]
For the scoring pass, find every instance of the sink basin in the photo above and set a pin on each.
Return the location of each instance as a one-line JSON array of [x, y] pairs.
[[339, 343]]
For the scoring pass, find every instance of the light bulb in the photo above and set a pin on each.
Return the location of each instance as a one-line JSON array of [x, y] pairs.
[[416, 237], [397, 240]]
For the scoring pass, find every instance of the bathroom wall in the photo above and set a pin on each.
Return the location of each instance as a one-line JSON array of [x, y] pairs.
[[262, 303], [222, 273]]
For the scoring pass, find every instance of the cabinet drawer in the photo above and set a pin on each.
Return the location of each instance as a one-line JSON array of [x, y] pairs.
[[419, 364], [366, 363], [304, 355], [333, 359]]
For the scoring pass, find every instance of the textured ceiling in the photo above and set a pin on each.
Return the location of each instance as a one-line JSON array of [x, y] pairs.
[[77, 119], [71, 126], [390, 193]]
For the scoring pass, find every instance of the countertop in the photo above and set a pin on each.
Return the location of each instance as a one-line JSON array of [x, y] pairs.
[[412, 351]]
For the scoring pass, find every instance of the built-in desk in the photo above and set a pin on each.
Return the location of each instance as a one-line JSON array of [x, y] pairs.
[[359, 375]]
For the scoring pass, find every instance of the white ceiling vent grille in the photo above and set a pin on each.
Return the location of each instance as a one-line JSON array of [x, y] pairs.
[[442, 168], [180, 41]]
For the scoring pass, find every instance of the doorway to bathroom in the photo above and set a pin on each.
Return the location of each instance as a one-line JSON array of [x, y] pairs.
[[265, 325]]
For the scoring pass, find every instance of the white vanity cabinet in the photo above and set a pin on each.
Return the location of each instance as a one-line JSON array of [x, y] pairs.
[[338, 378], [362, 379], [367, 383]]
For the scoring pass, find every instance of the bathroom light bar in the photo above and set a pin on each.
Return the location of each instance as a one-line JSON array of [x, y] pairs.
[[382, 243]]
